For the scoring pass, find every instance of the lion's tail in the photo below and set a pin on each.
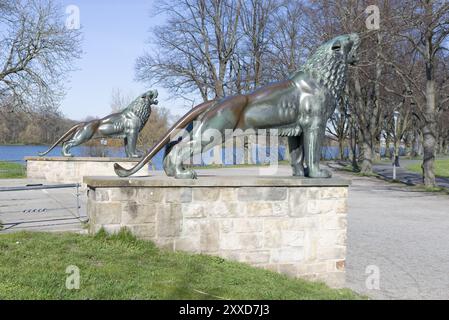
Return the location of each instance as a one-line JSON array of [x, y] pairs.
[[182, 123], [64, 136]]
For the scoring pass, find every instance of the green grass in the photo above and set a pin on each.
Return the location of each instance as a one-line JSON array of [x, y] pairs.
[[9, 170], [441, 168], [33, 266], [423, 188]]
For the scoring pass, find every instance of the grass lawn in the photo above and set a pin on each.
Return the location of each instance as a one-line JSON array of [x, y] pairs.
[[9, 170], [33, 265], [441, 168]]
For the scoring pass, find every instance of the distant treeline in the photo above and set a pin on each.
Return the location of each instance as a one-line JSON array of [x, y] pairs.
[[18, 127]]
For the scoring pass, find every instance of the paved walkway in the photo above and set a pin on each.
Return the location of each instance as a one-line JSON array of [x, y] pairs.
[[401, 232], [404, 175]]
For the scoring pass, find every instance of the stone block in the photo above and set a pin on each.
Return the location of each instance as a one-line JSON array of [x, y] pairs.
[[341, 206], [326, 193], [105, 213], [193, 210], [150, 195], [178, 195], [329, 238], [219, 209], [321, 207], [292, 238], [245, 225], [190, 244], [331, 253], [240, 241], [143, 231], [135, 213], [259, 209], [206, 194], [191, 226], [255, 257], [297, 201], [262, 194], [101, 195], [333, 221], [210, 236], [123, 194], [287, 255], [165, 243], [226, 225], [169, 221], [280, 209], [228, 194]]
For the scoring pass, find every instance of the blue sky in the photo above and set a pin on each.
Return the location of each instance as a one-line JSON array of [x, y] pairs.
[[115, 33]]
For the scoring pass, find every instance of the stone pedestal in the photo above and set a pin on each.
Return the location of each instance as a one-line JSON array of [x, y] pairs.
[[286, 224], [72, 170]]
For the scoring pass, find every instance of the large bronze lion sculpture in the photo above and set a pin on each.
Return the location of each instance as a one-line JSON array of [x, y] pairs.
[[124, 125], [298, 108]]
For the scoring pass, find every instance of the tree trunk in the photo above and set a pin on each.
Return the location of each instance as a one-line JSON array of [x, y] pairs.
[[341, 148], [387, 147], [429, 139], [367, 162], [353, 145], [445, 150], [416, 147]]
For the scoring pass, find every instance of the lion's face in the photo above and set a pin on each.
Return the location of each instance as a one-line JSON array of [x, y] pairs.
[[150, 97], [346, 47]]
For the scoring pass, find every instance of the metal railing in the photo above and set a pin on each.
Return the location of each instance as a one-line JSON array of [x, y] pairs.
[[21, 216]]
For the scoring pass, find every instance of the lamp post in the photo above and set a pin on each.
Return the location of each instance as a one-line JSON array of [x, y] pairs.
[[396, 115]]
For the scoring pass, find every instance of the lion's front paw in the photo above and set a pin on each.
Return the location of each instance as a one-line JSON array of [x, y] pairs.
[[186, 174], [298, 171], [320, 173]]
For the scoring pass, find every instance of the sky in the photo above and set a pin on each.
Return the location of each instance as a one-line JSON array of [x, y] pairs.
[[115, 34]]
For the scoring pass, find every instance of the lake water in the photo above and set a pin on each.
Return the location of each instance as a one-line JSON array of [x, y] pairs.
[[18, 153]]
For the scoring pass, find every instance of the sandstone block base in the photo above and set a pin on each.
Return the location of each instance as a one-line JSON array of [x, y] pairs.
[[286, 224], [73, 170]]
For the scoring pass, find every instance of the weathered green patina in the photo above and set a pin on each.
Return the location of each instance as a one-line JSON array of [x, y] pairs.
[[298, 107], [125, 125]]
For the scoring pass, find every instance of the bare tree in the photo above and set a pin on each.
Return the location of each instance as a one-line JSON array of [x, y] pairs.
[[119, 100], [36, 52], [425, 26], [289, 45], [195, 47]]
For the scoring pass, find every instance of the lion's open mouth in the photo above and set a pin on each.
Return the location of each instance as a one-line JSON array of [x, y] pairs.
[[154, 98], [150, 98]]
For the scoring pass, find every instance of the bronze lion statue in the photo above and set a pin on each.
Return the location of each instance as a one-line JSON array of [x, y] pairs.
[[125, 125], [298, 107]]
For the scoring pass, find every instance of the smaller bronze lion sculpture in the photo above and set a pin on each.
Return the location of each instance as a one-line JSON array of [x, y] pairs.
[[125, 124]]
